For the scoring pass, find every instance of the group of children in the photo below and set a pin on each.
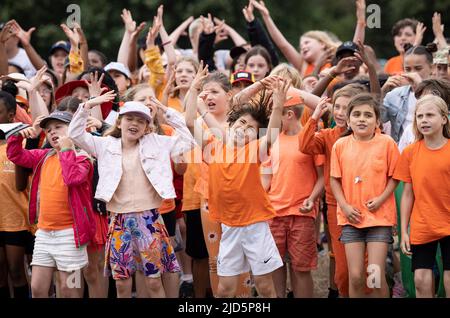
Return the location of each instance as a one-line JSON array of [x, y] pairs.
[[187, 179]]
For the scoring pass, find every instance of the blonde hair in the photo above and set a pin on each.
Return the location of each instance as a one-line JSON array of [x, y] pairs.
[[443, 111], [288, 72], [116, 132], [129, 96], [131, 93], [322, 37], [349, 90]]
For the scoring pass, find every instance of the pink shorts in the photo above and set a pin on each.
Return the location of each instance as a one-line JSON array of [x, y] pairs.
[[296, 235]]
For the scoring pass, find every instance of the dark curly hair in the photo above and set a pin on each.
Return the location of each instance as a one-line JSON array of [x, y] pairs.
[[260, 110]]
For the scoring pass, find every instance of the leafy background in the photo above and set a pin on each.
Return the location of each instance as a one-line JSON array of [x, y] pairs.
[[103, 26]]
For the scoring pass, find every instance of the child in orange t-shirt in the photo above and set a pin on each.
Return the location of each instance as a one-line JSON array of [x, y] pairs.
[[295, 203], [60, 204], [362, 165], [14, 226], [321, 142], [236, 195], [425, 206]]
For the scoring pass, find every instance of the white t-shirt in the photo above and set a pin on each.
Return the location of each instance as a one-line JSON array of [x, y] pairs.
[[22, 60]]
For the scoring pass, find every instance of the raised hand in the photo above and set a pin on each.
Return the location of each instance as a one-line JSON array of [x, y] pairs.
[[29, 132], [280, 89], [207, 24], [95, 84], [7, 32], [248, 12], [347, 64], [221, 30], [129, 23], [321, 108], [107, 97], [261, 7], [420, 31], [438, 27], [361, 10], [24, 36], [202, 73], [362, 55], [73, 36], [153, 32]]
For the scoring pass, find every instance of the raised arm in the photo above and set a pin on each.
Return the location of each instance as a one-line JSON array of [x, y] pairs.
[[169, 48], [191, 101], [175, 35], [438, 31], [206, 42], [257, 34], [153, 59], [128, 48], [289, 51], [77, 127], [5, 34], [280, 89], [310, 142], [75, 59], [360, 30], [344, 65], [375, 87], [25, 40], [237, 39]]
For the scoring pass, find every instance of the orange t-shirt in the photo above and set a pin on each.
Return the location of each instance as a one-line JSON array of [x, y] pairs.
[[191, 198], [236, 195], [14, 204], [320, 143], [394, 65], [429, 172], [294, 176], [54, 209], [22, 116], [173, 102], [310, 69], [364, 168]]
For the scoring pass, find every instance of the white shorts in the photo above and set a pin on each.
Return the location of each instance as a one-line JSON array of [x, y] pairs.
[[58, 249], [249, 247]]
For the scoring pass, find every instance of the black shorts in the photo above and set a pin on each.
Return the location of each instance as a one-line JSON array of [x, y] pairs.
[[195, 241], [22, 238], [424, 255], [170, 220]]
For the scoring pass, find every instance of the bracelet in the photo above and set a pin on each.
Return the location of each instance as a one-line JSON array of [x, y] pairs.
[[168, 42], [331, 75], [204, 114]]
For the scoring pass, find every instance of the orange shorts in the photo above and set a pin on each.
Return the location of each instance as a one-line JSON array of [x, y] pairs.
[[296, 235]]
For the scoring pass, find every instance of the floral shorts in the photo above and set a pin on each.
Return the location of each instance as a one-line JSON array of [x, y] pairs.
[[138, 241]]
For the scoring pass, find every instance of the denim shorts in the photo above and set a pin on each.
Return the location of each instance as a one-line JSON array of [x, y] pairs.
[[351, 234]]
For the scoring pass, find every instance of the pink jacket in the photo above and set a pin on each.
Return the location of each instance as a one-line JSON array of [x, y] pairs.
[[77, 174]]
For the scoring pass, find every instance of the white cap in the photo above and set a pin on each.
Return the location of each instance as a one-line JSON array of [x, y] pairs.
[[116, 66], [136, 108]]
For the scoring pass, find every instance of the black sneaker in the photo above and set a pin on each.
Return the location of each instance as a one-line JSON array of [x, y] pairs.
[[186, 290], [333, 293]]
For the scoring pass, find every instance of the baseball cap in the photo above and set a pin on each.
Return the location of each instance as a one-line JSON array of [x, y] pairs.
[[136, 108], [242, 76], [294, 97], [119, 67], [63, 45], [346, 46], [237, 51], [441, 57], [65, 117]]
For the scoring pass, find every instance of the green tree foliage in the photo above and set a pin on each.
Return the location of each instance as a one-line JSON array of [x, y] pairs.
[[103, 26]]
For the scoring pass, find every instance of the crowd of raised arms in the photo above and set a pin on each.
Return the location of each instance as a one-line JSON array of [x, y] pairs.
[[168, 172]]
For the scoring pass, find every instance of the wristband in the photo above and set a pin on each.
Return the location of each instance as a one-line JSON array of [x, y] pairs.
[[166, 43]]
